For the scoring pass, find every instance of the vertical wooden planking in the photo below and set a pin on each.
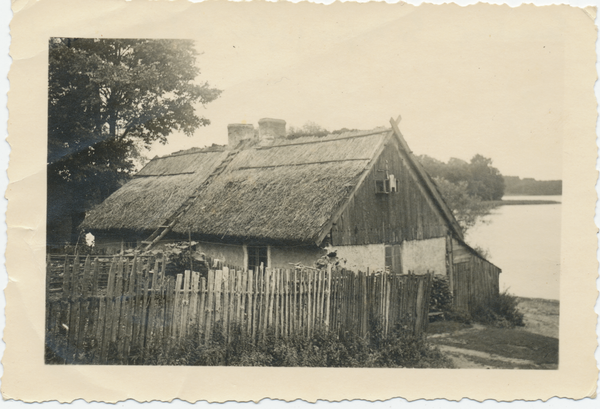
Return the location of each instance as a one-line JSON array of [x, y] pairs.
[[141, 342], [288, 302], [177, 310], [265, 301], [418, 308], [161, 306], [275, 304], [184, 305], [84, 305], [155, 274], [272, 297], [225, 296], [244, 313], [137, 315], [119, 317], [194, 296], [239, 295], [218, 296], [318, 303], [65, 303], [148, 330], [255, 307], [130, 306], [95, 311], [105, 314], [250, 304], [202, 308], [365, 312], [281, 284], [171, 293], [116, 301], [230, 302], [209, 304], [294, 304], [74, 299]]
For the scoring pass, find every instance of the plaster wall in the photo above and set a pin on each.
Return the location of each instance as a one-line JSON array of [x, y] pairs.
[[419, 256], [359, 258], [232, 254], [285, 257]]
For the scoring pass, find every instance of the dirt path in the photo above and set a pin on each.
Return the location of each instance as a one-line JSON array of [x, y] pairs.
[[534, 346]]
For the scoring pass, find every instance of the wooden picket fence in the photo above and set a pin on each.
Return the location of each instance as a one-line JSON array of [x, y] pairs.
[[124, 310]]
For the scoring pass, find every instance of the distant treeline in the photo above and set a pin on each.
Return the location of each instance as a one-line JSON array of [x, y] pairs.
[[479, 177], [529, 186]]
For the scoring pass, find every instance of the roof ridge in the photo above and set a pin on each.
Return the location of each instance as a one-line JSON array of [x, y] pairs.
[[323, 140], [191, 151]]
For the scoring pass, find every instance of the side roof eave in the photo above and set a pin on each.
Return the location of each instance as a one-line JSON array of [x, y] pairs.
[[427, 183], [336, 215]]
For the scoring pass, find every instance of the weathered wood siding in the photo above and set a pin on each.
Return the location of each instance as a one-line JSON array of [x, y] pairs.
[[475, 282], [373, 217]]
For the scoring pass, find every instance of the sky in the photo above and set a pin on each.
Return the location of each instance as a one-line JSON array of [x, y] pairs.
[[463, 83]]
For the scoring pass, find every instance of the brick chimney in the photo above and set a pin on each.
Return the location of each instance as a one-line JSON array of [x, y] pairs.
[[269, 128], [238, 133]]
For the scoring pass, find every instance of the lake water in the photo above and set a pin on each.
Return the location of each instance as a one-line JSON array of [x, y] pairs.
[[524, 241]]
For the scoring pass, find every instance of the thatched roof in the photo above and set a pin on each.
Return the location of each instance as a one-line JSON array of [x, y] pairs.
[[285, 190], [155, 193]]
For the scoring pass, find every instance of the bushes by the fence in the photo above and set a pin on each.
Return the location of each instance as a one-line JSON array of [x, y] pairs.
[[400, 348]]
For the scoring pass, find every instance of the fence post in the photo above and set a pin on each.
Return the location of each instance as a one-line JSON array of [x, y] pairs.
[[209, 305], [84, 304]]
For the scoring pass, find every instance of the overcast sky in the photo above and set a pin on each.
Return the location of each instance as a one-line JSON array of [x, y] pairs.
[[464, 83]]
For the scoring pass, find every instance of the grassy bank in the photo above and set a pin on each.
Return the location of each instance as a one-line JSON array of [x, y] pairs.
[[532, 346]]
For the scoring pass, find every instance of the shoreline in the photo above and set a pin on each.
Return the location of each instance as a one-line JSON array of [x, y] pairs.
[[496, 203]]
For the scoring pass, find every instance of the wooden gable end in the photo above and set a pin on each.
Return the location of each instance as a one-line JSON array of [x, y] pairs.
[[372, 216]]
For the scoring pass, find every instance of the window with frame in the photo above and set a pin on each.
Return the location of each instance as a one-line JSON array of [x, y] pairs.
[[393, 259], [256, 256]]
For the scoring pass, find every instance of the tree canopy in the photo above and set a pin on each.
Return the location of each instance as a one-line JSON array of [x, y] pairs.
[[466, 186], [108, 99], [482, 179]]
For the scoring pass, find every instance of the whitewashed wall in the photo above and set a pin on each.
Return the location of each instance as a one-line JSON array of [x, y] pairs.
[[418, 256], [361, 257]]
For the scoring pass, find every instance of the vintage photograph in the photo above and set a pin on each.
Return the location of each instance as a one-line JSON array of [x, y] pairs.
[[207, 208], [231, 201]]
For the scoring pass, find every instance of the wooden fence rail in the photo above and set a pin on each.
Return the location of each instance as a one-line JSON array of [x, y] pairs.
[[121, 310]]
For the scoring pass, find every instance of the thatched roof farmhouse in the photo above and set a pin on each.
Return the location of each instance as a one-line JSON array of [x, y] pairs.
[[268, 199]]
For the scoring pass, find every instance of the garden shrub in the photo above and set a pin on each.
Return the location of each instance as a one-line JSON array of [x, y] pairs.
[[501, 311]]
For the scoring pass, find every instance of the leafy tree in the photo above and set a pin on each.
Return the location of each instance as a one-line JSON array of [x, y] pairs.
[[485, 180], [467, 208], [108, 99]]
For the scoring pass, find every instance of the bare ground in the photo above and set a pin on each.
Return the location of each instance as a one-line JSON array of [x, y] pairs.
[[534, 346]]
